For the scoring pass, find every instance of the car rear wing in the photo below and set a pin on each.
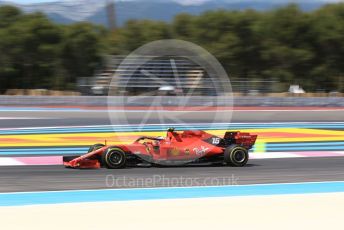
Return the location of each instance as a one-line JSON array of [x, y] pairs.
[[243, 139]]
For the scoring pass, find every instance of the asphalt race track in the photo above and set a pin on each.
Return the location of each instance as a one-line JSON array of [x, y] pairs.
[[51, 178], [258, 171], [22, 118]]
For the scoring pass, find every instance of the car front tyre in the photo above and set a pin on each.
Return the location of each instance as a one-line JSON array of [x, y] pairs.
[[114, 158]]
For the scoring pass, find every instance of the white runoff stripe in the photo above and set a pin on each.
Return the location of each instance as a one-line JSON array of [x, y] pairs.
[[8, 161], [274, 155]]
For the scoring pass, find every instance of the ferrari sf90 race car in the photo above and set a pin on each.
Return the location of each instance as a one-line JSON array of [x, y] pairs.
[[177, 148]]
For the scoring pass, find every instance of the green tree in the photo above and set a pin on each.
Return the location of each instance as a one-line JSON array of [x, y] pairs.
[[286, 52], [9, 15], [183, 26], [285, 44], [137, 33], [30, 46], [80, 53], [327, 38]]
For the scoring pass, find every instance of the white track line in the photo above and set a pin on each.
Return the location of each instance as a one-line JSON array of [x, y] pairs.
[[175, 111], [23, 118], [14, 161], [176, 125]]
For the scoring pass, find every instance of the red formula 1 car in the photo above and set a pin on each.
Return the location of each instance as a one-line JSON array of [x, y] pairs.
[[175, 149]]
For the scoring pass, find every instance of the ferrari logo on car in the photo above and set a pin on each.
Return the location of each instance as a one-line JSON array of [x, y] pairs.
[[148, 149], [187, 151], [174, 152]]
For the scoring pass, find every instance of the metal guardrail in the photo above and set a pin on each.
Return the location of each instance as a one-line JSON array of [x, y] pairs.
[[169, 101]]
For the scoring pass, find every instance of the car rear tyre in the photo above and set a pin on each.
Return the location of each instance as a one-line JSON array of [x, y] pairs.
[[236, 156], [95, 147], [114, 158]]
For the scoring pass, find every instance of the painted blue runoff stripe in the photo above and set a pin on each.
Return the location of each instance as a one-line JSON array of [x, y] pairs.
[[339, 125], [39, 198]]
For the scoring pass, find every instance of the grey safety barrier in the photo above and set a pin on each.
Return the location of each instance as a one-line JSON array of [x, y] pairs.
[[169, 101]]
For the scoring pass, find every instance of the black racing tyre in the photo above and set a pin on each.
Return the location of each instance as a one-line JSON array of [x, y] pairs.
[[69, 158], [236, 156], [95, 147], [114, 158]]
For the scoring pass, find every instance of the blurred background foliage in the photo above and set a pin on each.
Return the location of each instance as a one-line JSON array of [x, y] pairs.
[[285, 45]]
